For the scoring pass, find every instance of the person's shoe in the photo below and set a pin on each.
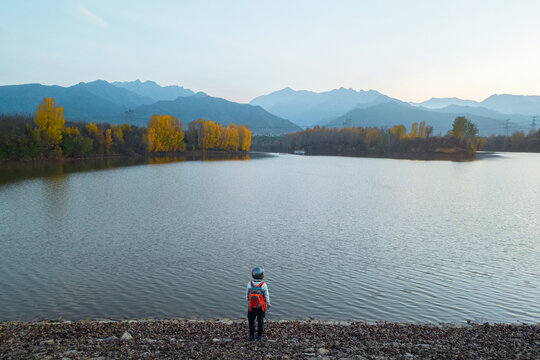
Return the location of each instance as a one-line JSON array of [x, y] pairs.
[[258, 338], [251, 338]]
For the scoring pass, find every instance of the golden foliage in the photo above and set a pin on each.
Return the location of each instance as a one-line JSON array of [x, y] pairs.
[[50, 119], [398, 131], [72, 131], [414, 131], [211, 136], [118, 134], [245, 138], [422, 133], [95, 132], [108, 140], [165, 133]]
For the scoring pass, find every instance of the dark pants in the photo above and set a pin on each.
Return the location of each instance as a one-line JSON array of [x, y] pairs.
[[259, 314]]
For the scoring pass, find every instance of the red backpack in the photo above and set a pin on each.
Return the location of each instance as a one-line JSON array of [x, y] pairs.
[[256, 296]]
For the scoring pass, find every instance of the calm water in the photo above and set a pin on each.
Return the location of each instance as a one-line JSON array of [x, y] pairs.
[[340, 238]]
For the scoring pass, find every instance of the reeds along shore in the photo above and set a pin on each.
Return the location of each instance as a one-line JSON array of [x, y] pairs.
[[227, 339]]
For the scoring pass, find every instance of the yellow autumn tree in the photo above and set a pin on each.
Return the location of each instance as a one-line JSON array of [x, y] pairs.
[[398, 131], [245, 138], [165, 133], [414, 131], [108, 140], [207, 135], [117, 133], [234, 138], [50, 119], [97, 135], [422, 132]]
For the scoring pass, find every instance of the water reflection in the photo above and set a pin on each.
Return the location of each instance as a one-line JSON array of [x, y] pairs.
[[57, 171]]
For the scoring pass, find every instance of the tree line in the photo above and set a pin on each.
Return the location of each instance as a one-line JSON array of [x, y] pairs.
[[48, 135], [518, 141], [372, 141]]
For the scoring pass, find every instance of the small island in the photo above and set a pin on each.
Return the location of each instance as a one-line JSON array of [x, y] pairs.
[[460, 143]]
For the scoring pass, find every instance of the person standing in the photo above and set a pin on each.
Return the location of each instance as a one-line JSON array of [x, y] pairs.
[[258, 300]]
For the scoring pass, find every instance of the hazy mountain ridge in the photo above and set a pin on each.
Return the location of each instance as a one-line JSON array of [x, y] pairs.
[[514, 104], [393, 113], [117, 95], [506, 104], [101, 101], [485, 112], [308, 108], [153, 90], [439, 103]]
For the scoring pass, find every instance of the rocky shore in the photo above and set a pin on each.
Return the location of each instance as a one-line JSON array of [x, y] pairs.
[[227, 339]]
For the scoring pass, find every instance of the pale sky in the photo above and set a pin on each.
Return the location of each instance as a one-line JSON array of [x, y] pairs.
[[411, 50]]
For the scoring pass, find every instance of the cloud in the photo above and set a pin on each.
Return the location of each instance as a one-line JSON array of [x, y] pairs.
[[88, 16]]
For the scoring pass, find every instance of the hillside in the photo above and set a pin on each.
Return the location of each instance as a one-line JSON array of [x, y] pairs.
[[78, 102], [100, 101], [218, 110], [117, 95], [393, 113]]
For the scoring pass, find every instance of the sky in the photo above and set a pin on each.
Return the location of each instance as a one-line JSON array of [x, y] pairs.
[[411, 50]]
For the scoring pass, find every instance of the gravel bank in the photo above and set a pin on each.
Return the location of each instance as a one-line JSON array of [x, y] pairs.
[[227, 339]]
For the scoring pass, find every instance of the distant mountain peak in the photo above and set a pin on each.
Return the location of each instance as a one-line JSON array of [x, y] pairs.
[[199, 94], [439, 103], [154, 90]]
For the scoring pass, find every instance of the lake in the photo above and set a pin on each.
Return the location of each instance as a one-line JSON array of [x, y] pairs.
[[340, 238]]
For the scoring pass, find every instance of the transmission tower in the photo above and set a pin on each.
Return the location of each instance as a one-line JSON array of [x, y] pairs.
[[506, 132], [533, 123], [129, 116]]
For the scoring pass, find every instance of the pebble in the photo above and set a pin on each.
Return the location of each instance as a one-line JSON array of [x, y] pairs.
[[323, 351], [126, 336], [107, 339]]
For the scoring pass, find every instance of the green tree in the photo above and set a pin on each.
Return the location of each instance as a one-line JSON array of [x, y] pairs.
[[459, 127]]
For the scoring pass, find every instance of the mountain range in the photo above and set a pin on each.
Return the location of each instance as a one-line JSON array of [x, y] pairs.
[[308, 108], [347, 107], [135, 102], [279, 112], [392, 113]]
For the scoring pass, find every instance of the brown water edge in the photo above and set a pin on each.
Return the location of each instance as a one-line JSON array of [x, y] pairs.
[[443, 154], [66, 159], [227, 339]]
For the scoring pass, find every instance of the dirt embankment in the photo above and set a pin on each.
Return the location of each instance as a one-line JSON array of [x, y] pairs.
[[227, 339]]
